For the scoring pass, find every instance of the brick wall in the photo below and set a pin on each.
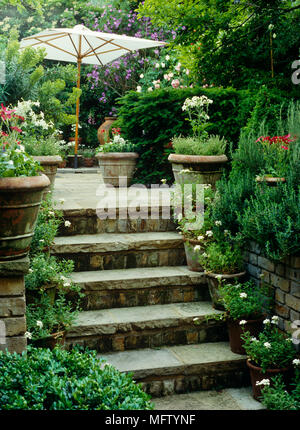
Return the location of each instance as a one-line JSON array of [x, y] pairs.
[[284, 277], [13, 305]]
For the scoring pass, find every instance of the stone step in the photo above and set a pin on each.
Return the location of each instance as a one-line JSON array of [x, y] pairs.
[[147, 326], [121, 251], [86, 221], [140, 287], [184, 368]]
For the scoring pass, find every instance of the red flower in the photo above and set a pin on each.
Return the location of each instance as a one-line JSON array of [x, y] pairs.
[[285, 147], [5, 113], [16, 129], [3, 133]]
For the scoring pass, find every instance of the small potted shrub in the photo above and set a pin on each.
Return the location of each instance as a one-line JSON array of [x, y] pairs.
[[194, 225], [199, 158], [223, 262], [269, 354], [88, 155], [275, 395], [117, 158], [246, 305], [21, 189], [276, 152]]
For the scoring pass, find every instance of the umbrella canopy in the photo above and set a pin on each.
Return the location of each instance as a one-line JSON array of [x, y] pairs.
[[83, 46]]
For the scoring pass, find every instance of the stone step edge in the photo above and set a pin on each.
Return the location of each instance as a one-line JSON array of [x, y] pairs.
[[91, 280], [117, 242], [112, 327], [175, 365], [159, 209]]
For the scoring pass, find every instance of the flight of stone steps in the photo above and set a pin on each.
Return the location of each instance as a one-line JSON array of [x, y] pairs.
[[144, 311]]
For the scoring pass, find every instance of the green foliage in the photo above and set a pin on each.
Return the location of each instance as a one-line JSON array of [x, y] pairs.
[[213, 145], [15, 163], [222, 257], [272, 349], [41, 379], [276, 397], [245, 301], [47, 225], [151, 120], [47, 146]]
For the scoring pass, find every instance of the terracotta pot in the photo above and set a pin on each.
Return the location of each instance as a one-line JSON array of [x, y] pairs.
[[32, 296], [203, 169], [192, 256], [63, 164], [88, 162], [103, 130], [70, 160], [270, 181], [256, 375], [214, 286], [114, 165], [49, 164], [72, 139], [235, 330], [20, 200], [55, 339]]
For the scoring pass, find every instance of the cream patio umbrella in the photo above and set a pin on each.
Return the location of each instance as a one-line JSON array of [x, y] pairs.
[[83, 46]]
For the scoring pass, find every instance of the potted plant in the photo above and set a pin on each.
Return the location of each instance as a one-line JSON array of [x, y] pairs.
[[40, 138], [276, 151], [21, 189], [88, 155], [117, 158], [269, 354], [199, 158], [246, 305], [47, 276], [223, 262], [193, 224]]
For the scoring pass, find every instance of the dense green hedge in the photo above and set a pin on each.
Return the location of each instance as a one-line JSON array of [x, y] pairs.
[[152, 119], [41, 379]]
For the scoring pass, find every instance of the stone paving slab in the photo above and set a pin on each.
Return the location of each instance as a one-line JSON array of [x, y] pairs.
[[227, 399], [112, 242], [173, 360], [87, 191], [145, 277], [139, 317]]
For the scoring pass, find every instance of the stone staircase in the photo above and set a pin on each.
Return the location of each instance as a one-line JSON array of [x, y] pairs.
[[143, 310]]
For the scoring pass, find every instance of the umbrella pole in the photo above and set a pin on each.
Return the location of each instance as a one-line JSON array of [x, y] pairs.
[[77, 116]]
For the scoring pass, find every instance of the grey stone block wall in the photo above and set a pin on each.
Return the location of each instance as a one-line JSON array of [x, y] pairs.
[[284, 277], [13, 305]]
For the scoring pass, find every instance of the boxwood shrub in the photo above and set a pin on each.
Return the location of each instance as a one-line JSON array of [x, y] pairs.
[[41, 379]]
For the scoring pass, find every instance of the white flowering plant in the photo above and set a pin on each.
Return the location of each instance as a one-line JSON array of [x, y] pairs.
[[14, 161], [223, 257], [117, 143], [197, 110], [246, 301], [272, 349]]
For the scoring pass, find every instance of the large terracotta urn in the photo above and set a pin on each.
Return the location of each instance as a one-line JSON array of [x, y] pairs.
[[103, 130], [20, 200]]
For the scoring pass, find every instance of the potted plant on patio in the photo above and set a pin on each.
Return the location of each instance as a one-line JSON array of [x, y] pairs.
[[21, 189], [223, 262], [246, 305], [88, 155], [117, 158], [199, 158], [276, 152], [271, 353], [192, 224]]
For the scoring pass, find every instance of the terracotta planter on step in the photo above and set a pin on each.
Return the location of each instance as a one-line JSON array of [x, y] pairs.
[[114, 165], [203, 169], [235, 330], [192, 256], [20, 200], [55, 339], [88, 162], [256, 375], [214, 286], [50, 164], [270, 181]]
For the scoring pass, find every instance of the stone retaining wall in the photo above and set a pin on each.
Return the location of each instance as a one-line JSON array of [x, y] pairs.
[[12, 305], [284, 277]]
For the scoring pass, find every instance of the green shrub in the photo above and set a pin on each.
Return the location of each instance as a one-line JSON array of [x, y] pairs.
[[151, 120], [276, 397], [41, 379], [223, 258], [213, 145]]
